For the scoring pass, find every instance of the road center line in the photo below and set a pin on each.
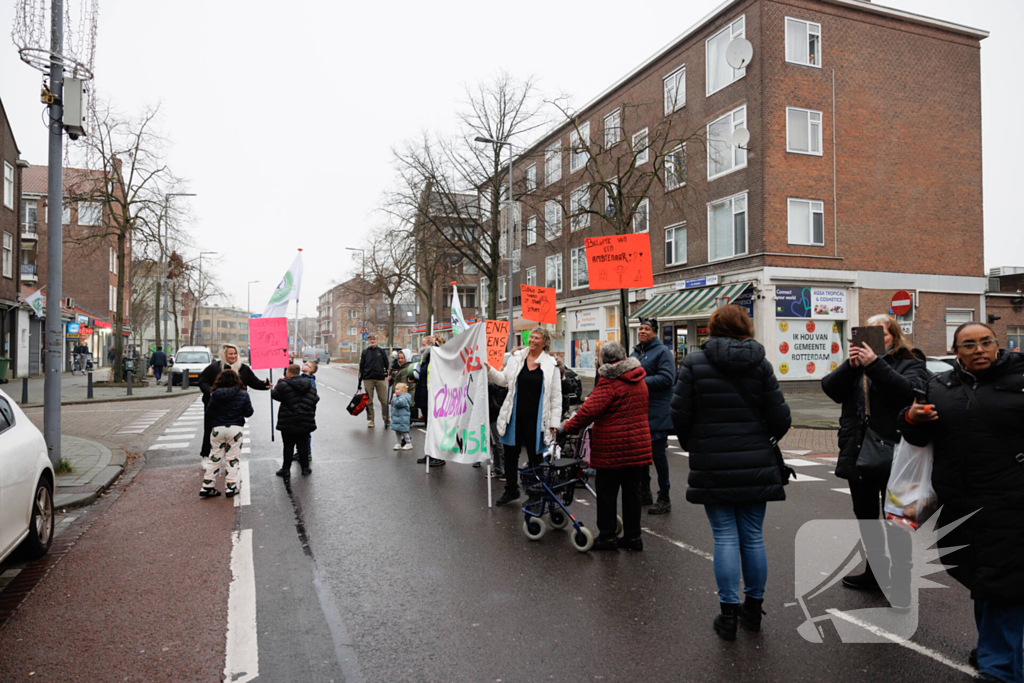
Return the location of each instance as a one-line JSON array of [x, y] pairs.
[[243, 480], [242, 660], [680, 544]]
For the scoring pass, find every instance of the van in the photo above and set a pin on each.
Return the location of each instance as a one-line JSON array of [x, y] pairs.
[[318, 355], [190, 359]]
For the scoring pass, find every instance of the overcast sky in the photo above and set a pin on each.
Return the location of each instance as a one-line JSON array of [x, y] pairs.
[[283, 115]]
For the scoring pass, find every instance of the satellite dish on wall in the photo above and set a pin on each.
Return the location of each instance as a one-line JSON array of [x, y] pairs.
[[740, 138], [739, 53]]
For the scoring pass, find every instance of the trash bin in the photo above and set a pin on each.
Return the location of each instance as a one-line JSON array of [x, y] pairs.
[[5, 364]]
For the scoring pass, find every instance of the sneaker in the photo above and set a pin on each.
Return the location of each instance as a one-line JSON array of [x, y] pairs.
[[397, 447], [476, 465], [209, 493], [231, 490], [407, 447], [506, 498], [370, 424], [434, 462], [283, 473]]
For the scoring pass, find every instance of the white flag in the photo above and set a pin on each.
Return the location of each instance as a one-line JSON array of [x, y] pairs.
[[458, 322], [457, 398], [287, 291], [35, 302]]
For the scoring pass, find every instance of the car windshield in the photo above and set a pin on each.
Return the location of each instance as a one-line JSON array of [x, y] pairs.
[[192, 357]]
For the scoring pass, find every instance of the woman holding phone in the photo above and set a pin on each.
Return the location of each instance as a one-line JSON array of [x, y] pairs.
[[873, 389]]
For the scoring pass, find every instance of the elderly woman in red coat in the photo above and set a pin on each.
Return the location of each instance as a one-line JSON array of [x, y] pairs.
[[620, 444]]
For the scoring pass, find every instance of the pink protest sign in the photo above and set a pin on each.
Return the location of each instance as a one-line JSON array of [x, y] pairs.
[[268, 343]]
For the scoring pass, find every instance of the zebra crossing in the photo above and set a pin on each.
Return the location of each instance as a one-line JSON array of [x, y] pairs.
[[142, 423], [188, 429]]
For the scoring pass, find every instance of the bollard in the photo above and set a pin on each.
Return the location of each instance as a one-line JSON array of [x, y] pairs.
[[184, 381], [168, 380], [24, 390], [89, 395], [129, 376]]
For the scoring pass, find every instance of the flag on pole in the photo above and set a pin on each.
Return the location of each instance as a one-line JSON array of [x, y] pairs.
[[35, 302], [458, 322], [287, 290]]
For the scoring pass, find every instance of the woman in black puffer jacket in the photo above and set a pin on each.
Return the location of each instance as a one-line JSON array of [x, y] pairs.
[[733, 467], [891, 381], [226, 411]]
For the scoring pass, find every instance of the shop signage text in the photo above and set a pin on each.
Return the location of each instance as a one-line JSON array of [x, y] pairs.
[[807, 349], [810, 302], [697, 282], [586, 319]]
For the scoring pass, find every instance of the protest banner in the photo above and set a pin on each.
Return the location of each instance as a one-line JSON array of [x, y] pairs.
[[268, 343], [497, 340], [457, 399], [539, 304], [619, 261]]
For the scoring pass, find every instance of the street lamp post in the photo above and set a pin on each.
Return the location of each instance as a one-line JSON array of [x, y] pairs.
[[164, 265], [508, 235], [362, 253]]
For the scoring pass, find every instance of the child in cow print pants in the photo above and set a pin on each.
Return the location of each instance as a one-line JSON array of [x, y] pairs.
[[228, 407]]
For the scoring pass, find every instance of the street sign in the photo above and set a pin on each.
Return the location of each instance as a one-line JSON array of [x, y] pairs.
[[902, 302], [364, 336], [907, 326]]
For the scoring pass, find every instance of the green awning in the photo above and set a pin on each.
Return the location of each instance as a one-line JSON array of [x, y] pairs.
[[689, 302]]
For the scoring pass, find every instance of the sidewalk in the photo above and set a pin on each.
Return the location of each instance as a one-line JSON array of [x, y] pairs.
[[74, 389], [95, 466]]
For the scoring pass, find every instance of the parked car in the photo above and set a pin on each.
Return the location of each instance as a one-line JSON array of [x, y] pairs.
[[318, 355], [27, 480], [190, 359], [939, 364]]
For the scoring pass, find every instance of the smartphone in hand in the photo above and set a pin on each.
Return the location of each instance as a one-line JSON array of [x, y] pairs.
[[871, 335]]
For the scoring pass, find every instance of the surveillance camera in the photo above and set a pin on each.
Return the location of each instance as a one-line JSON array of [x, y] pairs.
[[73, 136]]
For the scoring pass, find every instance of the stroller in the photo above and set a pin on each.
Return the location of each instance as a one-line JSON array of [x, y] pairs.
[[551, 488]]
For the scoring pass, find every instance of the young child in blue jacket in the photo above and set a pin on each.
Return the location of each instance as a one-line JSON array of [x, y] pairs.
[[401, 415]]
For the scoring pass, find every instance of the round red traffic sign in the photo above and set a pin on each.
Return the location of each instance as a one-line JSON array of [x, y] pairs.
[[901, 302]]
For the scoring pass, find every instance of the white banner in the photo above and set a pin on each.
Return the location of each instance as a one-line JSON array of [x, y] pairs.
[[457, 398], [807, 349]]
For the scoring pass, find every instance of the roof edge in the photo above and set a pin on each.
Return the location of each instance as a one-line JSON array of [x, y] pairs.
[[871, 7]]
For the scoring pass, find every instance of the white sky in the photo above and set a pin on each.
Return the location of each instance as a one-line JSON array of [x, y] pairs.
[[282, 116]]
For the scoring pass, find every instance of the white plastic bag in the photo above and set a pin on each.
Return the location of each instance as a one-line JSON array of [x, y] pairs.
[[909, 497]]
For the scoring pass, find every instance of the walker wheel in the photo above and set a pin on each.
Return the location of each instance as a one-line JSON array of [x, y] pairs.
[[582, 539], [535, 528], [558, 519], [618, 524]]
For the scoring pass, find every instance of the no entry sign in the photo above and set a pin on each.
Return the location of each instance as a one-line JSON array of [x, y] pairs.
[[902, 302]]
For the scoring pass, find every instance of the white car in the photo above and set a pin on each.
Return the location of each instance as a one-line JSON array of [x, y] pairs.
[[26, 484], [190, 359]]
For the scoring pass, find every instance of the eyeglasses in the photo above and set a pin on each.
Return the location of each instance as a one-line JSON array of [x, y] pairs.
[[985, 344]]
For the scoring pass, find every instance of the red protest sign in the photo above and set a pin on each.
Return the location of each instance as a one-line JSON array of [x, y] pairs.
[[539, 304], [497, 338], [268, 343], [619, 261]]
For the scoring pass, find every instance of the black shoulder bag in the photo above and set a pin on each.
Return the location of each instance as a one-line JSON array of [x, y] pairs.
[[785, 471], [875, 457]]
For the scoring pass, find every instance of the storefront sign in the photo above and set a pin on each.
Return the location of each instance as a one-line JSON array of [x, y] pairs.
[[697, 282], [828, 303], [810, 302], [746, 300], [586, 319], [85, 331], [807, 349], [101, 324], [74, 328], [83, 319]]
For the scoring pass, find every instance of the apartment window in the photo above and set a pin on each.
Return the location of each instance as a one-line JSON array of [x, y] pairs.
[[8, 186], [29, 213], [531, 177], [89, 213], [468, 297], [640, 147], [553, 163], [113, 298], [675, 245], [502, 288], [954, 319], [531, 276], [609, 207], [65, 214], [578, 268], [353, 331], [579, 144], [580, 216], [553, 272], [675, 90], [675, 168], [727, 227], [8, 255], [806, 222], [468, 268], [803, 42], [485, 285], [642, 217], [553, 219], [113, 261], [803, 131], [613, 128], [1014, 338], [723, 156], [719, 73], [531, 230]]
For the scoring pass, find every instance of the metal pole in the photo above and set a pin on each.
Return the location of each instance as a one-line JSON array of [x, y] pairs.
[[129, 375], [55, 239], [511, 225], [89, 394]]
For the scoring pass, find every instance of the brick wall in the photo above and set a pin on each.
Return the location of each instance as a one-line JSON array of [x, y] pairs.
[[9, 217]]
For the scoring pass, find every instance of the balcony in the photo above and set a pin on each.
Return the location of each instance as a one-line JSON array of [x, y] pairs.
[[28, 232], [29, 272]]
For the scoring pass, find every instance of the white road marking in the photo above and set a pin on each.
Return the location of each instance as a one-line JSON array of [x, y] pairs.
[[242, 661], [168, 446], [680, 544], [846, 491], [794, 462], [422, 430], [803, 477], [910, 645], [246, 450], [243, 481], [789, 452], [171, 437], [180, 430]]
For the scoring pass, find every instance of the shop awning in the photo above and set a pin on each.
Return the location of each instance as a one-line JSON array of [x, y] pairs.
[[688, 303]]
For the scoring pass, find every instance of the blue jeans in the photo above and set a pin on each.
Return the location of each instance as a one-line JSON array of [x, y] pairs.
[[739, 542], [1000, 639]]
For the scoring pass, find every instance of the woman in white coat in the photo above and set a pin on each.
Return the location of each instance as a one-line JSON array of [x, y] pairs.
[[532, 409]]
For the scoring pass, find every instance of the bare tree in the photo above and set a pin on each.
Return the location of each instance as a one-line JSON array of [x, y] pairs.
[[145, 278]]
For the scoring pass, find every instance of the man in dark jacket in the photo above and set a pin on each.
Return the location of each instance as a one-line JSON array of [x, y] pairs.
[[209, 375], [373, 376], [656, 360], [158, 361], [296, 419]]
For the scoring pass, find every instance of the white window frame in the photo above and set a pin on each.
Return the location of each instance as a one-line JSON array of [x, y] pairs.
[[84, 208], [468, 293], [734, 33], [643, 208], [113, 268], [746, 225], [675, 256], [485, 284], [578, 221], [644, 155], [552, 226], [553, 163], [579, 144], [65, 214], [810, 28], [737, 119], [675, 90], [553, 262], [531, 230], [352, 331], [502, 288], [613, 128], [531, 276], [8, 255], [812, 138], [113, 298], [675, 180], [813, 206], [578, 256], [8, 186], [531, 177]]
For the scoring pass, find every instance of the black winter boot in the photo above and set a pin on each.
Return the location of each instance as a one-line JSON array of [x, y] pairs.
[[864, 581], [725, 623], [662, 506], [750, 615]]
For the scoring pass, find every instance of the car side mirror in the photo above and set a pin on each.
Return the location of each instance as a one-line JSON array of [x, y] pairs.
[[170, 362]]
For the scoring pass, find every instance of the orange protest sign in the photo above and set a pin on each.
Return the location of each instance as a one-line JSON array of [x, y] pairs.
[[619, 261], [539, 304], [497, 339]]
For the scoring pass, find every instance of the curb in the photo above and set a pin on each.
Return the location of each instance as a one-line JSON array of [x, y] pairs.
[[87, 494], [90, 401]]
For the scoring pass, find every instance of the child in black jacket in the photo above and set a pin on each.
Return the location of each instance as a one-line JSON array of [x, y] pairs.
[[228, 407], [296, 419]]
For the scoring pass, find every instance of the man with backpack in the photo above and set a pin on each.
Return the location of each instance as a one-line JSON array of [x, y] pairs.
[[373, 376]]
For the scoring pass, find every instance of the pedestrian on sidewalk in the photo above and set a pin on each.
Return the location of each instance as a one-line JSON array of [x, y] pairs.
[[656, 360], [373, 375], [228, 407], [726, 409], [620, 445], [873, 390], [972, 417], [158, 361], [401, 415], [309, 369], [296, 419], [229, 353], [532, 409]]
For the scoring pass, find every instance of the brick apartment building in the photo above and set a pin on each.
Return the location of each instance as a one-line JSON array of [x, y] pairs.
[[340, 312], [862, 176], [1005, 306], [219, 325], [10, 256]]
